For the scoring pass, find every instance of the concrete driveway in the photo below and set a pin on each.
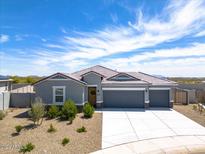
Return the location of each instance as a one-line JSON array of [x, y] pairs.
[[127, 125]]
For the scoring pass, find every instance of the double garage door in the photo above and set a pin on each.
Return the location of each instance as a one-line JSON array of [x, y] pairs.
[[134, 99], [123, 99]]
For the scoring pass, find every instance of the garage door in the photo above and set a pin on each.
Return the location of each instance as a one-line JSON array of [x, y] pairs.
[[123, 99], [159, 98]]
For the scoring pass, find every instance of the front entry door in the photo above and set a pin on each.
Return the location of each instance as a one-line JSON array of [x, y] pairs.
[[92, 95]]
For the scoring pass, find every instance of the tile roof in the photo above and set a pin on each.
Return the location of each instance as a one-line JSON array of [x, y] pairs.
[[151, 79], [98, 69], [108, 73]]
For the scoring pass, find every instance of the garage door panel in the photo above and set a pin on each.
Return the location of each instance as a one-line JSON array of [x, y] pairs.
[[123, 99], [159, 98]]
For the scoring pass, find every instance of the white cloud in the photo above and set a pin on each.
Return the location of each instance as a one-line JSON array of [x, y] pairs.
[[201, 33], [182, 18], [63, 30], [114, 17], [44, 40], [179, 19], [187, 61], [4, 38]]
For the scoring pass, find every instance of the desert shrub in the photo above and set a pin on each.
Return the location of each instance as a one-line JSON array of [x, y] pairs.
[[37, 111], [69, 111], [53, 112], [81, 130], [65, 141], [194, 107], [51, 129], [18, 128], [2, 115], [27, 148], [88, 110]]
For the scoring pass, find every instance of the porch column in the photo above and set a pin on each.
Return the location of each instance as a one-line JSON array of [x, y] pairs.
[[146, 97]]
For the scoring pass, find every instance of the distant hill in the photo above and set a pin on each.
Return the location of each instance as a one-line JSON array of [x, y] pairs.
[[187, 80], [28, 79]]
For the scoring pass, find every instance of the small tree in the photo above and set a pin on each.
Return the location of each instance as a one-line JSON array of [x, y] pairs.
[[88, 110], [37, 111], [53, 112], [69, 111]]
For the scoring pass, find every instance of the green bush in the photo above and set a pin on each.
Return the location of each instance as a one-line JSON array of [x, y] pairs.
[[194, 107], [69, 111], [53, 112], [2, 115], [81, 130], [27, 148], [88, 110], [51, 129], [65, 141], [37, 111], [18, 128]]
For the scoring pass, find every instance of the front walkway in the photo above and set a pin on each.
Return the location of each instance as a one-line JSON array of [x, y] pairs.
[[177, 144], [127, 125]]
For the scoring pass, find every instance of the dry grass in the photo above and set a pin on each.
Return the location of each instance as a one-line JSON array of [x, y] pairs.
[[50, 142], [188, 111]]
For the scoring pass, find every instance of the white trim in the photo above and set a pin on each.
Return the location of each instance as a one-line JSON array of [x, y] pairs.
[[92, 85], [83, 95], [99, 102], [134, 89], [58, 79], [93, 73], [159, 88], [147, 101], [54, 95], [52, 76], [80, 104], [67, 78], [116, 77]]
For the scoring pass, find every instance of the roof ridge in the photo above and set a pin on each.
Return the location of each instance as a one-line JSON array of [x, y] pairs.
[[107, 68], [93, 67], [155, 76]]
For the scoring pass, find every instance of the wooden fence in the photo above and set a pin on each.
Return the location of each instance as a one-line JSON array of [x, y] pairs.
[[181, 96]]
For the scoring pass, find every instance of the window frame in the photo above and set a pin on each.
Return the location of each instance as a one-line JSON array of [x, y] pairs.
[[54, 94]]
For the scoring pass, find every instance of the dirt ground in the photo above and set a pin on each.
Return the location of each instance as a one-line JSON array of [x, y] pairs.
[[188, 111], [50, 142]]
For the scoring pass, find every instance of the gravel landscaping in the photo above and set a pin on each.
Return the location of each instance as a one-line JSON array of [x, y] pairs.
[[188, 111], [45, 142]]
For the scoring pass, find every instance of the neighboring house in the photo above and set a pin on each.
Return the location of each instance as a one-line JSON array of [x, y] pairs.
[[5, 84], [5, 87], [104, 87]]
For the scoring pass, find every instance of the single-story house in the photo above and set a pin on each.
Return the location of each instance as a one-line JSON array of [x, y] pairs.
[[104, 87]]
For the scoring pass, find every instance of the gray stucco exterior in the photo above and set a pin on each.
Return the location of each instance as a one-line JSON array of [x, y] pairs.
[[73, 90], [93, 79]]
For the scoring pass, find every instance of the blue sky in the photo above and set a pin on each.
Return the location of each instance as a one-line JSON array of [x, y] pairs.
[[163, 37]]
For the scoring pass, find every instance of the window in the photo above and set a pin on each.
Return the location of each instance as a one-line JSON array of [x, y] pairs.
[[123, 77], [58, 94]]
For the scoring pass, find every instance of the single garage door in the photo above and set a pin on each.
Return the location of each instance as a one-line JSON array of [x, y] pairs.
[[159, 98], [123, 99]]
